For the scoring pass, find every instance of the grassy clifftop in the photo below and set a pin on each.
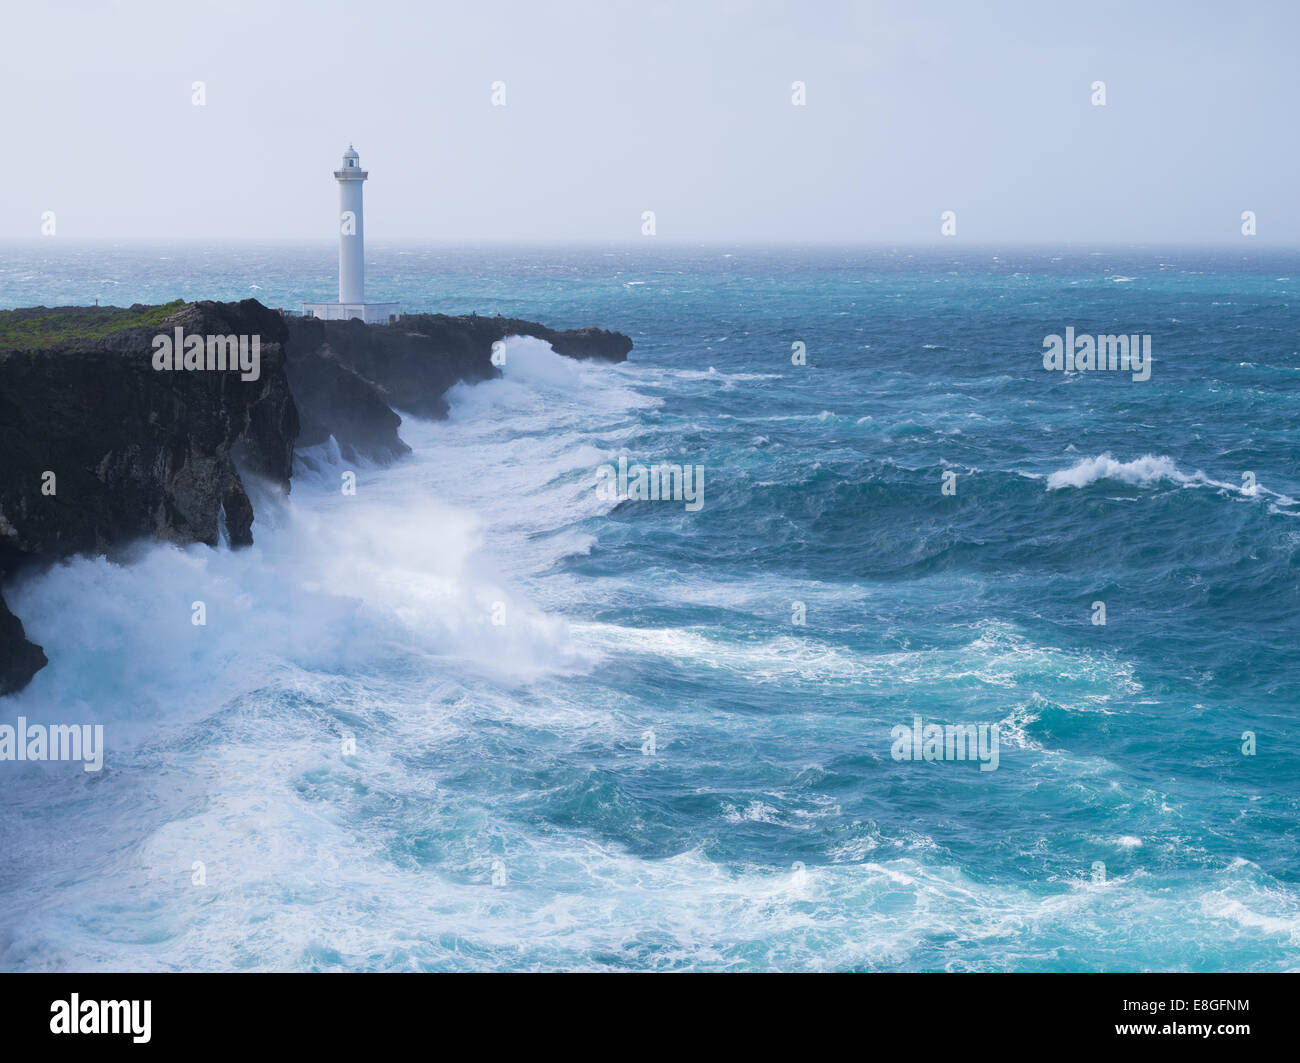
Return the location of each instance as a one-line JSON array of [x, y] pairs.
[[43, 328]]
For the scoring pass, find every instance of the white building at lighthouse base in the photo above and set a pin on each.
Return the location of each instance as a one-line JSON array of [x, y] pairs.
[[370, 313]]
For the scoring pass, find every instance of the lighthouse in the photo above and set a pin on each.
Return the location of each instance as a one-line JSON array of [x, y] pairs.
[[352, 230], [352, 261]]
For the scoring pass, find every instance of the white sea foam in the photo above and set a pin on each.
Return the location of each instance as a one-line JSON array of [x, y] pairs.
[[1144, 471]]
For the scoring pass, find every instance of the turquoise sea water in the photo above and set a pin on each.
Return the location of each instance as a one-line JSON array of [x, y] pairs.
[[500, 812]]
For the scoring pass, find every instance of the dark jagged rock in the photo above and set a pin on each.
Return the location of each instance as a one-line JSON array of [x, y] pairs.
[[414, 362], [334, 400], [135, 451], [19, 659], [472, 336]]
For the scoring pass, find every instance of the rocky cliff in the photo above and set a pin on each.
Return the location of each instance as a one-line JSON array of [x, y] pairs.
[[98, 447], [348, 376]]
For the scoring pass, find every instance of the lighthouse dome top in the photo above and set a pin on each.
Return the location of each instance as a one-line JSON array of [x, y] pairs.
[[351, 170]]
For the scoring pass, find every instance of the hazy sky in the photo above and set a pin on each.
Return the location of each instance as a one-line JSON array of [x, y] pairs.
[[614, 108]]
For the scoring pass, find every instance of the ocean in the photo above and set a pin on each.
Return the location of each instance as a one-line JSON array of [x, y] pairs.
[[479, 716]]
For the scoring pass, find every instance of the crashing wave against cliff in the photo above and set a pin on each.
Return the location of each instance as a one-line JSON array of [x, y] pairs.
[[98, 448]]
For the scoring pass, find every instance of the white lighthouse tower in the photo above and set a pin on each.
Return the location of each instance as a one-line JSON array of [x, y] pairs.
[[352, 263], [352, 230]]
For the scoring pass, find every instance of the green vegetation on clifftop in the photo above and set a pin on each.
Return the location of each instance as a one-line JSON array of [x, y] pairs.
[[41, 328]]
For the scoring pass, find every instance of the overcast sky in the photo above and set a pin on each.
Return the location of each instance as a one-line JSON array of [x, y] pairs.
[[684, 108]]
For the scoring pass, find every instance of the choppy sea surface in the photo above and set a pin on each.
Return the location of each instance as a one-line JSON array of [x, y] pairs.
[[648, 764]]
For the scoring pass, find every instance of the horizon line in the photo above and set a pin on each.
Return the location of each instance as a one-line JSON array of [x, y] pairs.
[[641, 243]]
